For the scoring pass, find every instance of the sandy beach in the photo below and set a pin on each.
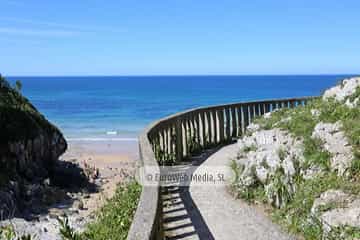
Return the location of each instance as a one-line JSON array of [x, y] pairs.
[[115, 161], [107, 156]]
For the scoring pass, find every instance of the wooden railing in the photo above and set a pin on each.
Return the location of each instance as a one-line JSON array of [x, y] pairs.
[[176, 138]]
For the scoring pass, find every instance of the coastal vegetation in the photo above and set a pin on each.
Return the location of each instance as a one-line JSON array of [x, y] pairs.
[[113, 220], [316, 171], [115, 217]]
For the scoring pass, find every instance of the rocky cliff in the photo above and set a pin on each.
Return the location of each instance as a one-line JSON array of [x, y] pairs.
[[29, 146]]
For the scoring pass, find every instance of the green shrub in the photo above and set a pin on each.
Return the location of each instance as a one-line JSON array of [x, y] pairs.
[[282, 153], [18, 85], [66, 231], [279, 189]]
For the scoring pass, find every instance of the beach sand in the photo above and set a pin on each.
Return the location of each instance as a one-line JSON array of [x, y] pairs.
[[105, 155], [116, 163]]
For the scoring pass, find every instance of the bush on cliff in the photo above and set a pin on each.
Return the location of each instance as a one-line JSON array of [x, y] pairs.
[[19, 119]]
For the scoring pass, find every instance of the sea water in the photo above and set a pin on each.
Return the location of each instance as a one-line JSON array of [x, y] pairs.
[[117, 108]]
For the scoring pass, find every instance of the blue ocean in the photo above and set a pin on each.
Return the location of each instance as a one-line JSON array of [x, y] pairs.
[[118, 108]]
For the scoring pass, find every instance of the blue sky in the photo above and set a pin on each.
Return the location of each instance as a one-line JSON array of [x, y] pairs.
[[153, 37]]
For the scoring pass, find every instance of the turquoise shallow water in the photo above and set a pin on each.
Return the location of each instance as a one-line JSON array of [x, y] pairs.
[[118, 108]]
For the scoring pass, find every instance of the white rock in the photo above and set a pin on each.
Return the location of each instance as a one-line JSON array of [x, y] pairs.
[[46, 228], [268, 114], [315, 112], [288, 166], [311, 172], [262, 174], [330, 196], [35, 228], [345, 211], [253, 127], [343, 90], [335, 142], [263, 161], [348, 216], [352, 104]]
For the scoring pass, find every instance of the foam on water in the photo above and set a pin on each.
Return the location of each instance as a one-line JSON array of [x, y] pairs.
[[111, 132]]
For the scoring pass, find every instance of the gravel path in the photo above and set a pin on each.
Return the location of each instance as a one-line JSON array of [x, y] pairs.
[[210, 212]]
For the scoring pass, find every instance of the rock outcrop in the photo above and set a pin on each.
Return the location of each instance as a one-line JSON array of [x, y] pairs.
[[343, 91], [335, 142], [266, 155], [29, 147], [346, 88], [335, 208]]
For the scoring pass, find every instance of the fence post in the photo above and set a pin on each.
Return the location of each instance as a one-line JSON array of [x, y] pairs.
[[209, 127], [203, 129], [179, 139], [215, 123], [221, 125], [233, 122], [228, 122]]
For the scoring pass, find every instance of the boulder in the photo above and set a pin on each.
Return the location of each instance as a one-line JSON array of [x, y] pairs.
[[335, 142], [335, 209]]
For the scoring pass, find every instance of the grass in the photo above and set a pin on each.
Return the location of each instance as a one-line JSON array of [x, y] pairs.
[[113, 220], [282, 153], [255, 192], [315, 155], [279, 190], [66, 231], [237, 170], [251, 148], [246, 149], [295, 215], [8, 233]]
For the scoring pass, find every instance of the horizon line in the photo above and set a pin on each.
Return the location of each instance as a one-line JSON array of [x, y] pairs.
[[188, 75]]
